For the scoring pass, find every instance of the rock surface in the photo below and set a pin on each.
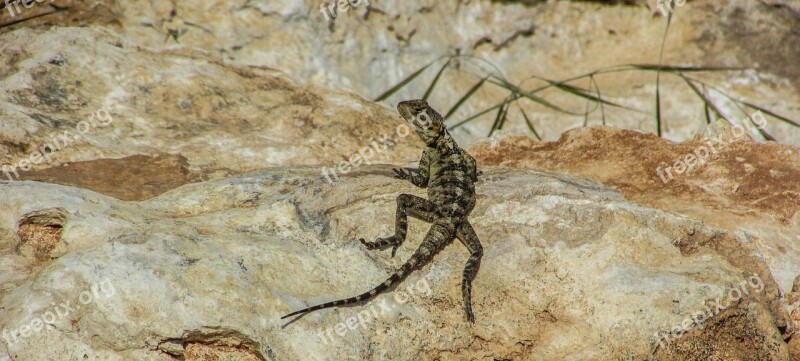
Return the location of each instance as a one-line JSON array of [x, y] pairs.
[[745, 186], [112, 99], [571, 270], [367, 49], [193, 212]]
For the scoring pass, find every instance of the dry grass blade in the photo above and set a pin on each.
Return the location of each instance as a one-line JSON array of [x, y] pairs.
[[738, 103], [706, 109], [592, 95], [706, 101], [749, 119], [766, 135], [516, 90], [464, 98], [499, 118], [658, 111], [530, 125], [761, 130], [658, 76], [630, 67], [504, 118], [682, 69], [599, 96], [771, 113], [404, 82], [489, 109], [436, 79], [583, 93], [586, 115]]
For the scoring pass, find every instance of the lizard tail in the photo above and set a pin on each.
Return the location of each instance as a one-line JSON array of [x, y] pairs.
[[398, 276]]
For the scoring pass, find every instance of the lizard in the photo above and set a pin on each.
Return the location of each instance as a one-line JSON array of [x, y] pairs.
[[449, 173]]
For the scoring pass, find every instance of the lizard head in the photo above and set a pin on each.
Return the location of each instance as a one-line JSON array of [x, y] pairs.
[[426, 121]]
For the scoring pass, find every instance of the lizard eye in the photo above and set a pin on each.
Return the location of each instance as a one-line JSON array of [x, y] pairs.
[[424, 120]]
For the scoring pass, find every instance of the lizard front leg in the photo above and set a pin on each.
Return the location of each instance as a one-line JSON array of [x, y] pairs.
[[407, 204], [467, 236], [421, 176]]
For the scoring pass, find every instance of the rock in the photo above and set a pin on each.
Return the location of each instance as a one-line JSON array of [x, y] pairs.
[[368, 49], [136, 177], [40, 232], [72, 95], [794, 348], [195, 209], [571, 270], [795, 316], [758, 197]]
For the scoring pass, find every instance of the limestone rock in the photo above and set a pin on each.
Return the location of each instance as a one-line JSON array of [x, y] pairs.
[[193, 212], [741, 186], [367, 49], [571, 270], [88, 94]]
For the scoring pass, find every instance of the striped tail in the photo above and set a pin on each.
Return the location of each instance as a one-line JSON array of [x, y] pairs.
[[395, 278]]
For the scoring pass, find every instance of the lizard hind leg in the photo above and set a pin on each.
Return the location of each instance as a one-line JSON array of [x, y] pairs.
[[407, 204], [467, 235]]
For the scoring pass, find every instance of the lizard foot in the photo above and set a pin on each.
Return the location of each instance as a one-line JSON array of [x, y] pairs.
[[381, 243]]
